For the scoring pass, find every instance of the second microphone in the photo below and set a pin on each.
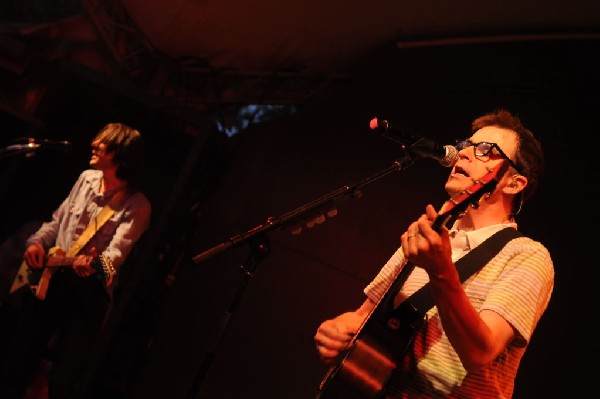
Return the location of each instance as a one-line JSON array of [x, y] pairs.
[[446, 155]]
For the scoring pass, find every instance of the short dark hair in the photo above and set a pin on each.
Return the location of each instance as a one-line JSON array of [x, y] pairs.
[[127, 145], [529, 156]]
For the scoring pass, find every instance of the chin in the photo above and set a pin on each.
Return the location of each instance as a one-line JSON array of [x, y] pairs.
[[453, 188]]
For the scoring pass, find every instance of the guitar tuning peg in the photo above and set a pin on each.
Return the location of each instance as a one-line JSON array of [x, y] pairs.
[[319, 219], [297, 229], [332, 212]]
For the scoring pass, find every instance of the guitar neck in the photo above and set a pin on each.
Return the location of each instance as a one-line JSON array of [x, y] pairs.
[[367, 363], [60, 261]]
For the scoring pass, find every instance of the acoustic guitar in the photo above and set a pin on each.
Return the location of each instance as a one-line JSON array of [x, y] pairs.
[[366, 365]]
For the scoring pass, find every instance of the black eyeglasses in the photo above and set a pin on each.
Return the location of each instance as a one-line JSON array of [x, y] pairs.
[[484, 149]]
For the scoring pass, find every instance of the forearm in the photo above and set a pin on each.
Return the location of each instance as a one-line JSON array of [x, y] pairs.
[[475, 342]]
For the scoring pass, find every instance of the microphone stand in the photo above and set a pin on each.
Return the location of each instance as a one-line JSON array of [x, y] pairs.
[[11, 150], [259, 247], [29, 146]]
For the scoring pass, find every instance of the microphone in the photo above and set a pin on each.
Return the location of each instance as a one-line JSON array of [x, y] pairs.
[[33, 145], [446, 155], [22, 147], [62, 145]]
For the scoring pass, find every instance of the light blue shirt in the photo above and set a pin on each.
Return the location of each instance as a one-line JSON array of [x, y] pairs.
[[114, 240]]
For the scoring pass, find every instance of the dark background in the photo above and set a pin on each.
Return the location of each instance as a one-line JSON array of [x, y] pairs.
[[168, 336]]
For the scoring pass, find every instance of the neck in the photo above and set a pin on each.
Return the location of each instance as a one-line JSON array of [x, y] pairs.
[[488, 213], [110, 181]]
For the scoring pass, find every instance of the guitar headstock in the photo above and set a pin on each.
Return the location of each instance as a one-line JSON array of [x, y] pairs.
[[471, 196], [108, 270]]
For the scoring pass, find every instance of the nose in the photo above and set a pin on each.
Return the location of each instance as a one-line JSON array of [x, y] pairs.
[[464, 152]]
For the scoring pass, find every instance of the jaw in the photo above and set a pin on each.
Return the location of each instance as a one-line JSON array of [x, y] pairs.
[[456, 184]]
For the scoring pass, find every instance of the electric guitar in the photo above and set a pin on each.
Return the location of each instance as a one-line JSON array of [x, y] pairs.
[[366, 364], [39, 279]]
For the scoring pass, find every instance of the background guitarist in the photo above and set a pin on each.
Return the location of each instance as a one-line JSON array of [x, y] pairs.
[[474, 337], [78, 297]]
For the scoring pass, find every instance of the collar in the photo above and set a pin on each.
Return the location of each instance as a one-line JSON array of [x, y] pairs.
[[467, 240], [94, 178]]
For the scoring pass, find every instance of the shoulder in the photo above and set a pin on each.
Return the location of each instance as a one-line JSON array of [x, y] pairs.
[[528, 244], [529, 253], [87, 179], [137, 199]]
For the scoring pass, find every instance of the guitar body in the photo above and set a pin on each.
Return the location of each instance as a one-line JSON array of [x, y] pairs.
[[374, 353], [366, 365], [38, 280]]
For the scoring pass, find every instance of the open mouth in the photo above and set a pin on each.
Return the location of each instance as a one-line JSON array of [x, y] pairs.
[[460, 171]]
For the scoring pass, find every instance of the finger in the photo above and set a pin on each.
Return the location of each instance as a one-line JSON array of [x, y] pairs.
[[445, 233], [426, 229], [424, 225], [414, 235], [408, 239], [328, 344], [328, 356], [404, 240], [36, 259], [413, 230], [335, 333], [431, 212]]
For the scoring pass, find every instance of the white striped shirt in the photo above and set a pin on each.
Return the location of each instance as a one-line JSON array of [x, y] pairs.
[[517, 284]]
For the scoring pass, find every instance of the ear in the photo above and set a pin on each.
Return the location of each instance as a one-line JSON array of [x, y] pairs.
[[515, 184]]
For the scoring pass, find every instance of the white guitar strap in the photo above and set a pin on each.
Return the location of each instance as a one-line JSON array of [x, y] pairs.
[[107, 211], [95, 224]]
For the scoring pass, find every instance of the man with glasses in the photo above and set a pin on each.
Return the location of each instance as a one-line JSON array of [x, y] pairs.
[[102, 218], [473, 337]]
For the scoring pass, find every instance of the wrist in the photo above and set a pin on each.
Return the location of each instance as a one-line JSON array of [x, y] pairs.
[[446, 276]]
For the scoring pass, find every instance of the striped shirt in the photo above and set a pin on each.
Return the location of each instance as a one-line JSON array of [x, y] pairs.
[[517, 284]]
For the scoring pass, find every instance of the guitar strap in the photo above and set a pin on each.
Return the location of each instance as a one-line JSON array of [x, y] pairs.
[[107, 211], [422, 300], [95, 224]]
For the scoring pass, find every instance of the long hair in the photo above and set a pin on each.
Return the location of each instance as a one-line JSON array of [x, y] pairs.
[[127, 145]]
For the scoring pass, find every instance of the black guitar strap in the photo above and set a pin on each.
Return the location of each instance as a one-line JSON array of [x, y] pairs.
[[422, 300]]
